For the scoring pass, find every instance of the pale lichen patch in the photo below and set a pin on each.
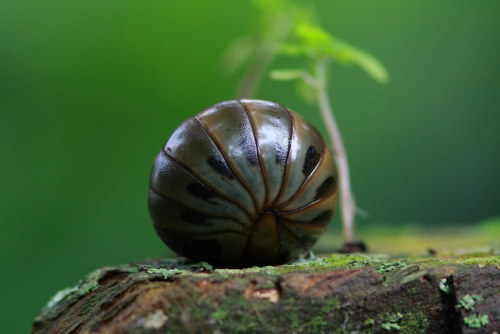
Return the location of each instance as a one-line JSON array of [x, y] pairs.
[[60, 295], [155, 320], [271, 294]]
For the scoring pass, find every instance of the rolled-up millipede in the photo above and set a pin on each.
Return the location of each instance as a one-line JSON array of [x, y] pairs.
[[244, 182]]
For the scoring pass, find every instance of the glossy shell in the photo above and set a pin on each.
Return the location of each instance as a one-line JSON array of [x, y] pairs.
[[243, 183]]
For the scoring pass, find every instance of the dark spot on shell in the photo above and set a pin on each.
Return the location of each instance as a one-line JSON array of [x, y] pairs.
[[281, 154], [200, 190], [220, 167], [194, 217], [310, 161], [249, 150], [325, 187], [324, 217]]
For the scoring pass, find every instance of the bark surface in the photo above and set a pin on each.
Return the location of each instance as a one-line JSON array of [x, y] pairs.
[[340, 294]]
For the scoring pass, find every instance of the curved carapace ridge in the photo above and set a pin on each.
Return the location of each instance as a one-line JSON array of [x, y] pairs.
[[244, 182]]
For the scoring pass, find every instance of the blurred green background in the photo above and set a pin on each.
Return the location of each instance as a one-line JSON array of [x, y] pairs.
[[90, 91]]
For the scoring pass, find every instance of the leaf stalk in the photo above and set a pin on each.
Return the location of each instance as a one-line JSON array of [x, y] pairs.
[[348, 206]]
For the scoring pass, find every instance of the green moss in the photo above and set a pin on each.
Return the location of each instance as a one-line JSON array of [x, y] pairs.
[[406, 323], [369, 322], [91, 282], [408, 274], [389, 266], [476, 320], [330, 305], [316, 325], [133, 270], [88, 284], [338, 260], [245, 315], [391, 321], [174, 267], [220, 315], [229, 272], [196, 313], [484, 261], [237, 314], [203, 265], [414, 322], [320, 316], [167, 273], [60, 295], [394, 317], [323, 314], [84, 287]]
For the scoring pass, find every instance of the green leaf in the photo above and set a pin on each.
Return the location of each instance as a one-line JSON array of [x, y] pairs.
[[287, 74], [312, 35], [476, 320], [390, 326], [468, 302], [445, 286], [315, 43], [346, 54], [369, 63]]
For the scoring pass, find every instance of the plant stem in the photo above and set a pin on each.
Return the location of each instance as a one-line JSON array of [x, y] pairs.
[[348, 206], [254, 74], [265, 52]]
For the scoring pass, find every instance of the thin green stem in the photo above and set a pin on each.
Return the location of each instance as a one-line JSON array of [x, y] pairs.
[[348, 206], [254, 74], [265, 52]]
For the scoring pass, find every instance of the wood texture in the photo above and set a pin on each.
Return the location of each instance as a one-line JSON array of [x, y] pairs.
[[343, 294]]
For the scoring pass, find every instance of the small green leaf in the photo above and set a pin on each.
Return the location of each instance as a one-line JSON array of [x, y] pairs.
[[287, 74], [370, 64], [313, 35], [390, 326], [315, 43], [445, 286], [469, 302], [477, 298], [476, 320]]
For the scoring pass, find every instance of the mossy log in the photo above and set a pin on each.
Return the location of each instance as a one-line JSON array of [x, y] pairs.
[[340, 294]]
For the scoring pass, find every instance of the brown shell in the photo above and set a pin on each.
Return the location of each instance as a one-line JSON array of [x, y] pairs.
[[243, 183]]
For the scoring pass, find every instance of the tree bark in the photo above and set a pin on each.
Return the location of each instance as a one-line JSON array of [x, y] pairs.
[[343, 294]]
